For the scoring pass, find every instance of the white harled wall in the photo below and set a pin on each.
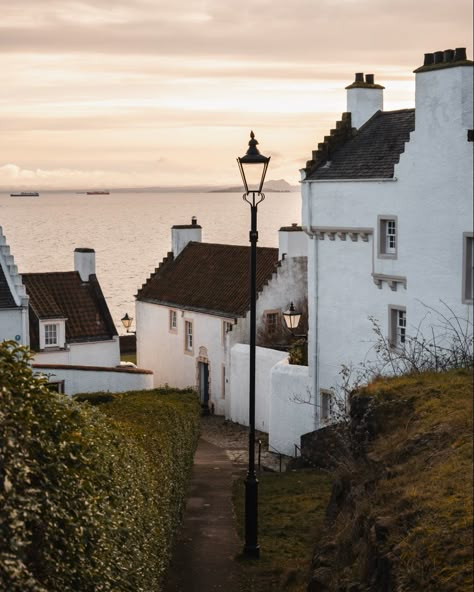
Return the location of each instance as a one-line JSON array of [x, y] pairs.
[[432, 197]]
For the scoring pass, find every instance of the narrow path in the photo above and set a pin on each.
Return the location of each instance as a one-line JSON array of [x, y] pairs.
[[204, 555]]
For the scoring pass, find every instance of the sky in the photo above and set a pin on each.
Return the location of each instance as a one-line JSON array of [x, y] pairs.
[[97, 94]]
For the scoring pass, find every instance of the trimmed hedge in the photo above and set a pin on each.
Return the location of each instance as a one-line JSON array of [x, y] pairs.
[[88, 503]]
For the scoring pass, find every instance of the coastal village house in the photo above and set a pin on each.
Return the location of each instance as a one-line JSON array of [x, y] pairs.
[[387, 200], [194, 308], [64, 319]]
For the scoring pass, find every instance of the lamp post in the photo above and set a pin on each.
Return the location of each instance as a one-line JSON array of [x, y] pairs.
[[127, 322], [253, 167]]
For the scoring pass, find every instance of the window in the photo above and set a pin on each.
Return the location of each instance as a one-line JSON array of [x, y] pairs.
[[50, 335], [226, 328], [173, 327], [388, 237], [468, 268], [326, 404], [397, 326], [272, 321], [188, 336]]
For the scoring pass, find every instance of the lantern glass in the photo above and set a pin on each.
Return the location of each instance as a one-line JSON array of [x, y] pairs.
[[292, 317], [127, 321], [253, 167]]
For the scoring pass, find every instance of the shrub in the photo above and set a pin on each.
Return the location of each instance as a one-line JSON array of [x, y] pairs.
[[82, 507]]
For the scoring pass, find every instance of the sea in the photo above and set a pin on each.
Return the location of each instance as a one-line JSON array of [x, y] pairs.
[[130, 231]]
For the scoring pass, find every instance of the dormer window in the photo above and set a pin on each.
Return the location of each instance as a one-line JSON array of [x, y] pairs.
[[52, 333]]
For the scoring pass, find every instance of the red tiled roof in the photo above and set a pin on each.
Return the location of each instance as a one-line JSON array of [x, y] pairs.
[[209, 277], [65, 295]]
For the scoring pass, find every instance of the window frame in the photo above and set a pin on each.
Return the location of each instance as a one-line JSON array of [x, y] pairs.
[[326, 403], [275, 327], [468, 268], [397, 334], [188, 337], [173, 315], [383, 250]]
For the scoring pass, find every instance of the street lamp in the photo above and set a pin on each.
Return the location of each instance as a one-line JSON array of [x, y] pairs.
[[253, 167], [292, 318], [127, 322]]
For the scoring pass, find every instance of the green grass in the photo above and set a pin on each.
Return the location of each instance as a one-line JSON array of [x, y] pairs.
[[291, 512]]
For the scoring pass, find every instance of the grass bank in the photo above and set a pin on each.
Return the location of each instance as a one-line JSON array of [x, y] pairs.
[[291, 510]]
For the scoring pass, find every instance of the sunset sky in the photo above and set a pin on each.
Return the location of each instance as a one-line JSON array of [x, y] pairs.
[[109, 93]]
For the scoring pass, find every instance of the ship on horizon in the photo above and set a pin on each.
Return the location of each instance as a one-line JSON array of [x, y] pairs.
[[25, 194], [97, 192]]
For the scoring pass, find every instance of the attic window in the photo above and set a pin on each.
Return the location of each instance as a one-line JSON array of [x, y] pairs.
[[51, 335]]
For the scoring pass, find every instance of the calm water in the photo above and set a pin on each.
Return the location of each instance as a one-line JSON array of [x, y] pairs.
[[130, 232]]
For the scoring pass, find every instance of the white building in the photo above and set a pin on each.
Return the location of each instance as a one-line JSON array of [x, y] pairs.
[[194, 307], [64, 319], [387, 200]]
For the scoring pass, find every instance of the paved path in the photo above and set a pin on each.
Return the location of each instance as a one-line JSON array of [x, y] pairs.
[[204, 556]]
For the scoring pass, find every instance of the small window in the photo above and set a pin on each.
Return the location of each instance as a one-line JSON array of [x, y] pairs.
[[173, 326], [272, 321], [50, 335], [388, 237], [397, 326], [468, 268], [226, 328], [326, 404], [188, 336], [56, 386]]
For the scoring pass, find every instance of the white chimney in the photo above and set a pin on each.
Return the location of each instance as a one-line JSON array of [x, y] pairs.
[[364, 98], [292, 242], [444, 93], [84, 263], [183, 234]]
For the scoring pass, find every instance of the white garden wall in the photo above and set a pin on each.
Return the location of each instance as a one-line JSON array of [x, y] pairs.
[[90, 379], [239, 384]]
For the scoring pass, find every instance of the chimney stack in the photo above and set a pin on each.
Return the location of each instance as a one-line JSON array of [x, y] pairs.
[[84, 263], [183, 234], [364, 98]]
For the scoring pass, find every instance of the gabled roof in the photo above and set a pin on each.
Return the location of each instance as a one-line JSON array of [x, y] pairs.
[[373, 150], [209, 277], [64, 295], [6, 297]]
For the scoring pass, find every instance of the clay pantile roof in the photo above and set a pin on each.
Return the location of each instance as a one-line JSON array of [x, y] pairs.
[[6, 297], [209, 277], [65, 295], [373, 151]]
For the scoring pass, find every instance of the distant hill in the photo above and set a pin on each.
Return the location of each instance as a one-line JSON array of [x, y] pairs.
[[272, 186]]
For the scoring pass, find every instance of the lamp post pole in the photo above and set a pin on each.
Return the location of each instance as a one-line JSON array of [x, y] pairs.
[[252, 548], [253, 161]]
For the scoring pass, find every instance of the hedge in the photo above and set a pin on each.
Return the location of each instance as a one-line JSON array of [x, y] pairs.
[[88, 502]]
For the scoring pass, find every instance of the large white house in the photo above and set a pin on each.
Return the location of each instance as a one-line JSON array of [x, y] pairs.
[[194, 308], [387, 200], [64, 319]]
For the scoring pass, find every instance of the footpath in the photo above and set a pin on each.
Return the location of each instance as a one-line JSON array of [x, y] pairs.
[[204, 558]]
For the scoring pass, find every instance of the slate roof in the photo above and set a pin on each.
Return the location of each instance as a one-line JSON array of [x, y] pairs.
[[373, 151], [6, 297], [209, 277], [65, 295]]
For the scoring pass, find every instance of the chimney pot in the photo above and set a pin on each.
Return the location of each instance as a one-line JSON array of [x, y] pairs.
[[448, 55], [194, 221], [438, 57], [460, 54], [429, 59], [359, 77], [369, 78]]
